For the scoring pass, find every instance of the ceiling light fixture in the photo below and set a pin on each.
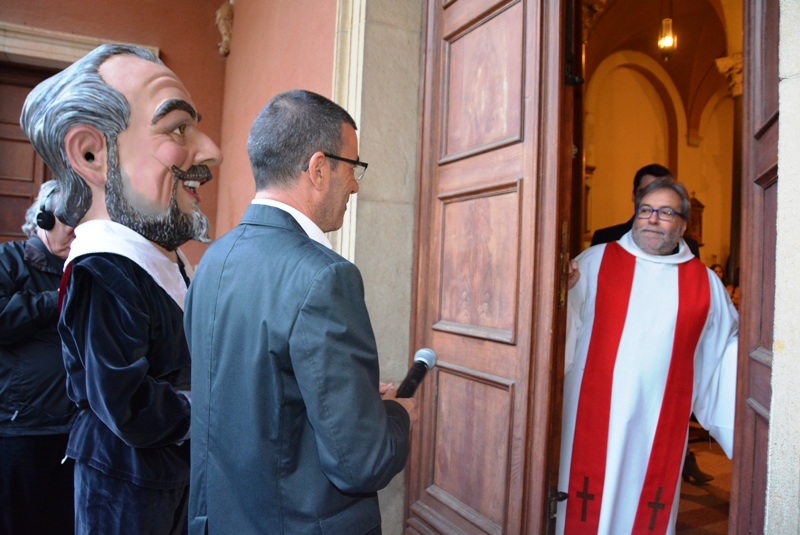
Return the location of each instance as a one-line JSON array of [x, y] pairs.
[[667, 40]]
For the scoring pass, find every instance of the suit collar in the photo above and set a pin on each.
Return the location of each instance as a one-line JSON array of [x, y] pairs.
[[274, 213]]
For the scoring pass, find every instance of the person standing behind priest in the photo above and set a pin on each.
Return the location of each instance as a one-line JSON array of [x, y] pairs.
[[651, 337], [642, 178], [292, 432]]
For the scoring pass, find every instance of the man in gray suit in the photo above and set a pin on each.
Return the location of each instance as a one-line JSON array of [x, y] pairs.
[[292, 431]]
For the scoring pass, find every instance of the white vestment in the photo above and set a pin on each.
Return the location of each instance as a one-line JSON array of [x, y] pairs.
[[640, 375]]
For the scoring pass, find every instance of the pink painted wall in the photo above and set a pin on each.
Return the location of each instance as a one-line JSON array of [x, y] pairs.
[[276, 45]]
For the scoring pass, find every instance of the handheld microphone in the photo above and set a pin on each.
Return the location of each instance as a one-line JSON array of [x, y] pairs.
[[424, 360]]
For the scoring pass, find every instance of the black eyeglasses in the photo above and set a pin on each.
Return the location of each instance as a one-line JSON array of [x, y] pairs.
[[359, 167], [664, 214]]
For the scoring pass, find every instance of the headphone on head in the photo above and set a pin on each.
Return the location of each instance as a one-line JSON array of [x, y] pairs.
[[45, 219]]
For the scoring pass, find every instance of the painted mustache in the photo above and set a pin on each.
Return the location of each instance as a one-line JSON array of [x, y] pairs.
[[196, 173]]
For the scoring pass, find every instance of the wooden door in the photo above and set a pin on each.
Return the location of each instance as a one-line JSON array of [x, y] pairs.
[[759, 207], [489, 273], [21, 169]]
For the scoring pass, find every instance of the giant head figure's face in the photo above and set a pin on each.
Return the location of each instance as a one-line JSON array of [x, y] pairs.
[[160, 159]]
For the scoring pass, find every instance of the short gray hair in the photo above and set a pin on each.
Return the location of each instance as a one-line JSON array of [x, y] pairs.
[[78, 95], [667, 182], [288, 131], [47, 198]]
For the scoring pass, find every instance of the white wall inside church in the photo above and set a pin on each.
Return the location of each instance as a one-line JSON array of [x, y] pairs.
[[707, 171], [626, 131]]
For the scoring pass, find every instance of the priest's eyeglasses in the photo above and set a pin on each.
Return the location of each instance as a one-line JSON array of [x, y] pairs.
[[664, 214], [359, 167]]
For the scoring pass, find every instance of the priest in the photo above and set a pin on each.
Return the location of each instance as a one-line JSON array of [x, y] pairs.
[[651, 338]]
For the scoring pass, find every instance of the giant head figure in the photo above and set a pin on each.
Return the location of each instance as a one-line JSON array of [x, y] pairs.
[[119, 131]]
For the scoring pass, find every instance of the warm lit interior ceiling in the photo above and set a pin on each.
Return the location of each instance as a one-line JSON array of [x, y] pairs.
[[619, 25]]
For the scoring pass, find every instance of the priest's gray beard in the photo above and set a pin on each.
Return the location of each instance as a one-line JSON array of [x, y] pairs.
[[169, 229]]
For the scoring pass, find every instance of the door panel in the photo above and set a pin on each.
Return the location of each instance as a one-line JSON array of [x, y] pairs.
[[475, 54], [759, 208], [21, 169], [487, 267]]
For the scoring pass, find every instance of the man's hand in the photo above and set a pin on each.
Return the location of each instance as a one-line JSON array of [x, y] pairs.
[[389, 391]]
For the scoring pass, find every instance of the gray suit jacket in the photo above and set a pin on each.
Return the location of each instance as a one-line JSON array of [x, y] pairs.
[[289, 433]]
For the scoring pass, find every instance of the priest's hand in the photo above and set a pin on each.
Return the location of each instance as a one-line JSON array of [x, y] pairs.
[[573, 274]]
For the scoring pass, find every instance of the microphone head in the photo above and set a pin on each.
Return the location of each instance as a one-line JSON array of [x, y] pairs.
[[426, 356]]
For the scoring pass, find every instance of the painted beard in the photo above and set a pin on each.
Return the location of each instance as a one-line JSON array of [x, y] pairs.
[[169, 229]]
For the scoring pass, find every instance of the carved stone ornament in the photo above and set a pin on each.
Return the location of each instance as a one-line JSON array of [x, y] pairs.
[[224, 18], [592, 9], [731, 67]]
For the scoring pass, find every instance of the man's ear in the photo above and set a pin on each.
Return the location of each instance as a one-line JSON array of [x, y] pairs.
[[86, 151], [318, 170]]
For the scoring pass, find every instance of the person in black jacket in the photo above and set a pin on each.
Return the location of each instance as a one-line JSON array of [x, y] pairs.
[[36, 493], [641, 180]]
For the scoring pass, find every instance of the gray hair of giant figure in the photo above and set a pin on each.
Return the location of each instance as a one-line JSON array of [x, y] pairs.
[[288, 131], [667, 182], [47, 198], [78, 95]]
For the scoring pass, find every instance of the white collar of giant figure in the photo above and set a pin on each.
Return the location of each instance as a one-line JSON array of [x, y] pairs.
[[104, 236]]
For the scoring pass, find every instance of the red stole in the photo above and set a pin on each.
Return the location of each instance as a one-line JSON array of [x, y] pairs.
[[62, 288], [588, 466]]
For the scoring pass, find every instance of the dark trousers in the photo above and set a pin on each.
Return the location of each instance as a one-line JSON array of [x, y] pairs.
[[106, 505], [35, 488]]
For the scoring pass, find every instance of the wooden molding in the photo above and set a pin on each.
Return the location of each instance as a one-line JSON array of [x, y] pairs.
[[45, 48]]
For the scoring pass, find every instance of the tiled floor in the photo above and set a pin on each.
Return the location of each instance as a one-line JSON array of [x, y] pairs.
[[704, 508]]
